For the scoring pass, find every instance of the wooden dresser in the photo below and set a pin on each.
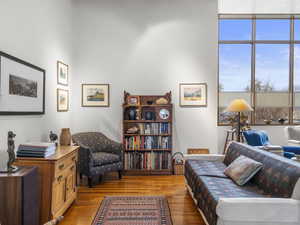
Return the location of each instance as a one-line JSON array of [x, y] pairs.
[[57, 181], [19, 203]]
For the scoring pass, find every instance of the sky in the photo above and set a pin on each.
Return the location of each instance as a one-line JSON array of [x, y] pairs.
[[272, 60]]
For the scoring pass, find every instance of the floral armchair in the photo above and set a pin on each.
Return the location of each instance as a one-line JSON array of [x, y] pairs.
[[98, 155]]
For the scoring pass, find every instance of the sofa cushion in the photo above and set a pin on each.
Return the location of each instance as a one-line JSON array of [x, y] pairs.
[[211, 189], [103, 158], [278, 176], [195, 168], [242, 169]]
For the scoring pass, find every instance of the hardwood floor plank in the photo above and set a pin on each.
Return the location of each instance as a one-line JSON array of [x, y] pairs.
[[182, 207]]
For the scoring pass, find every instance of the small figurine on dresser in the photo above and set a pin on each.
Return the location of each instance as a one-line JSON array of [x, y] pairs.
[[53, 138], [11, 152]]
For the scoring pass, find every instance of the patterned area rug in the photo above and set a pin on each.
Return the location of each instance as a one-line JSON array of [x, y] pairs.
[[125, 210]]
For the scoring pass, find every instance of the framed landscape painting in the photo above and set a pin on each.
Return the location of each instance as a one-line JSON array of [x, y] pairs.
[[62, 73], [62, 100], [95, 95], [193, 94], [22, 87]]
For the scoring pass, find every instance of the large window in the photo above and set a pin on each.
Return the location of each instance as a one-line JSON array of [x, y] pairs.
[[259, 61]]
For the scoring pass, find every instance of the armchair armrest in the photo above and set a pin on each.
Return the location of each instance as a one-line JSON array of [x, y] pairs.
[[205, 157], [115, 148], [250, 210], [85, 159]]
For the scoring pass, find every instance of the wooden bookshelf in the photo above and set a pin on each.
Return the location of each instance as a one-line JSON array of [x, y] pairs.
[[147, 134]]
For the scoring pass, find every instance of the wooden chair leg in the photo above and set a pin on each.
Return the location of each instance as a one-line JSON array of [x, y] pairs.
[[90, 182], [120, 174]]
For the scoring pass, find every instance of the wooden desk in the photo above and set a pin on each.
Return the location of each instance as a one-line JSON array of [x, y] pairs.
[[57, 181], [19, 198]]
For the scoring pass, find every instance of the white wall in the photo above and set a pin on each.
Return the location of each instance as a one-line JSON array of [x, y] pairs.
[[259, 6], [38, 32], [146, 47]]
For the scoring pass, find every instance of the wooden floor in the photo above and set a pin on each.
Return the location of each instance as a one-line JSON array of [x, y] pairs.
[[182, 206]]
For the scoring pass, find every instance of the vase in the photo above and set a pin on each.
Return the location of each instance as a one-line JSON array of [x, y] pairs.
[[65, 136], [132, 114], [149, 115]]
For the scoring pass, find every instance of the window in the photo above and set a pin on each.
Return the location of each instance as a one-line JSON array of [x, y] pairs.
[[235, 75], [256, 63]]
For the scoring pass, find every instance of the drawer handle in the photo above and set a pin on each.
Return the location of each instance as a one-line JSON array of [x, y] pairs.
[[59, 178], [61, 166]]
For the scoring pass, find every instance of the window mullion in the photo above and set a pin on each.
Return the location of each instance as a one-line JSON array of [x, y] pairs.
[[253, 55], [291, 94]]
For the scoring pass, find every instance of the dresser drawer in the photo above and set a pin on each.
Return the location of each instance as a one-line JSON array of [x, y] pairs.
[[64, 164]]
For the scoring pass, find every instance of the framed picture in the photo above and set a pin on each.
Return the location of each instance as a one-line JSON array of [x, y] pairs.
[[22, 87], [62, 73], [133, 100], [193, 95], [95, 95], [62, 100]]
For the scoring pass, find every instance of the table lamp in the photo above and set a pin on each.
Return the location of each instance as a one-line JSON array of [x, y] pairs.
[[238, 106]]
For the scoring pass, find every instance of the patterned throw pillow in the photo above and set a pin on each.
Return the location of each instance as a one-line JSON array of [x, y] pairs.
[[242, 169]]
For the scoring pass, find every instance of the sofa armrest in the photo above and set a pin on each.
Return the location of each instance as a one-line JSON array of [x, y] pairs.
[[205, 157], [294, 142], [250, 210]]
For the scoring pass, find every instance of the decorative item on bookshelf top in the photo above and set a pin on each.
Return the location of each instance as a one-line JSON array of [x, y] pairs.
[[147, 134]]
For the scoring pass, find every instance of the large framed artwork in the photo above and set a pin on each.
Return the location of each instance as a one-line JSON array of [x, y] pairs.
[[62, 73], [95, 95], [193, 94], [22, 87], [62, 100]]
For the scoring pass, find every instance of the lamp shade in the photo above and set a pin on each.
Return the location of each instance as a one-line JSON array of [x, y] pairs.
[[238, 105]]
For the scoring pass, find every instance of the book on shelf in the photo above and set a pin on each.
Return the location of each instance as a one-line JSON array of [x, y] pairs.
[[147, 160], [154, 128], [36, 149], [147, 142]]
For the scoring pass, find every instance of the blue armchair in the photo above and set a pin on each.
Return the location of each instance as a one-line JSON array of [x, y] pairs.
[[261, 138]]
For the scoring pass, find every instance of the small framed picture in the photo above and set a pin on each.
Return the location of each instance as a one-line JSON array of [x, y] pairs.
[[62, 100], [95, 95], [133, 100], [193, 94], [62, 73]]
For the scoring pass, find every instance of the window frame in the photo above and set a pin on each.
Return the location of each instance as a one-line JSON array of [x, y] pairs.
[[253, 42]]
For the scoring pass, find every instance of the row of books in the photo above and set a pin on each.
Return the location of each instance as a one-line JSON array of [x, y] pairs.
[[36, 150], [147, 142], [154, 128], [147, 160]]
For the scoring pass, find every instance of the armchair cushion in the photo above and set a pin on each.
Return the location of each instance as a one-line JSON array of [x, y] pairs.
[[292, 149], [256, 137], [103, 158]]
